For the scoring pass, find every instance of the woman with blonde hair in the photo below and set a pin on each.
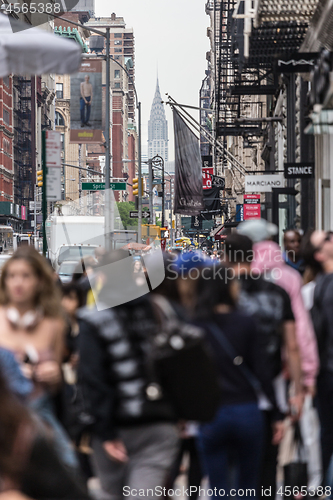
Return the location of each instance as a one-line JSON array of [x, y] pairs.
[[32, 327]]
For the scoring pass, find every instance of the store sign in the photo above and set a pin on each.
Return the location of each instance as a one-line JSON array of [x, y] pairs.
[[252, 207], [263, 183], [196, 222], [207, 171], [53, 165], [303, 62], [299, 170], [207, 178]]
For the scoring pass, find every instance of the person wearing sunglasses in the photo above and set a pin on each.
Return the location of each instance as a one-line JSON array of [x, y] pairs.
[[322, 316]]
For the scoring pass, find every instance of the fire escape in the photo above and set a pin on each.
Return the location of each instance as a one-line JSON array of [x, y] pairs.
[[23, 185]]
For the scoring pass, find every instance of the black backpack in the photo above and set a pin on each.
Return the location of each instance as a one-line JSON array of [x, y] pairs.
[[181, 365]]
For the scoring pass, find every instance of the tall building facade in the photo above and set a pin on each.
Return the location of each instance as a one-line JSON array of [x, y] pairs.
[[158, 128], [124, 134]]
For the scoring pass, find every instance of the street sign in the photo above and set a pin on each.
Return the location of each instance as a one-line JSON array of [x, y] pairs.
[[33, 203], [100, 186], [135, 215], [157, 181]]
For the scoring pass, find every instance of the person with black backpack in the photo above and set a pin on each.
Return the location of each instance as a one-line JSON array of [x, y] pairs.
[[236, 434], [322, 317], [270, 306]]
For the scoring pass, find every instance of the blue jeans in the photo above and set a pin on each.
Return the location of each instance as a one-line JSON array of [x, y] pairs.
[[237, 433], [85, 110]]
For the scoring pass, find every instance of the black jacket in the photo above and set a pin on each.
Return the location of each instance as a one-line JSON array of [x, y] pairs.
[[113, 369]]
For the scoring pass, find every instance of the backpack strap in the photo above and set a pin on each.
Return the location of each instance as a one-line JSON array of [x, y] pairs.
[[235, 358]]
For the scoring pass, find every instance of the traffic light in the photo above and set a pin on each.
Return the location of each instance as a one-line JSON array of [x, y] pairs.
[[135, 186], [39, 178]]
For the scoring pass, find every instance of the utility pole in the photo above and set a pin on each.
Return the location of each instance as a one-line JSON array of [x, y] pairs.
[[107, 215], [80, 177], [140, 180], [151, 192], [44, 202]]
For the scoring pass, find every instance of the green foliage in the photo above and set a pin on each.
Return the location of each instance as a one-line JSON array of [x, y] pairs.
[[124, 208]]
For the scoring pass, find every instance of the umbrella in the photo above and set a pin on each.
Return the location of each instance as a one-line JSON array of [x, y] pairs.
[[33, 51]]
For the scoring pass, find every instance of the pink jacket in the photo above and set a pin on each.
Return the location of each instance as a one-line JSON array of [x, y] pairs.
[[268, 261]]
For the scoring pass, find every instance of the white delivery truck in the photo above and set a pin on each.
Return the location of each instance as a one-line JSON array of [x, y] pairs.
[[74, 237]]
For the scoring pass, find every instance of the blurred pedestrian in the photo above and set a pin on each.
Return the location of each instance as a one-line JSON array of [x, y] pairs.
[[292, 240], [268, 261], [134, 437], [270, 306], [322, 313], [237, 432], [313, 269], [28, 462], [32, 327]]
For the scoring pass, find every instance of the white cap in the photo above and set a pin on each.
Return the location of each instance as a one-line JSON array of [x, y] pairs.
[[257, 229]]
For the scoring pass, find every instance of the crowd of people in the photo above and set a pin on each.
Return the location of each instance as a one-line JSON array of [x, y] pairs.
[[88, 386]]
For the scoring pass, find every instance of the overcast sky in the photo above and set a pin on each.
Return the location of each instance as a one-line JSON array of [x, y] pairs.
[[170, 37]]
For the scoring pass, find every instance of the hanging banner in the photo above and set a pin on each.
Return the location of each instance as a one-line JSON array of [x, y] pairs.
[[86, 103], [188, 175]]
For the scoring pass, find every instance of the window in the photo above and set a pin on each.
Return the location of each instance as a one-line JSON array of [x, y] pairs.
[[117, 73], [117, 85], [59, 119], [6, 117], [118, 35], [117, 50], [118, 42], [59, 90]]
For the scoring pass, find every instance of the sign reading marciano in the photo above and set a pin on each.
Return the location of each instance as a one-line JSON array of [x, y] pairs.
[[263, 183]]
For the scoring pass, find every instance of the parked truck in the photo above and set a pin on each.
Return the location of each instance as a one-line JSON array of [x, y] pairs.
[[74, 237]]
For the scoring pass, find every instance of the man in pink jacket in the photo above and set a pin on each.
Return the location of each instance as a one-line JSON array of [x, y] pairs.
[[268, 261]]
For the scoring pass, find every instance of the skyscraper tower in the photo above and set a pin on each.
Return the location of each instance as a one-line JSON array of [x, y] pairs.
[[157, 128]]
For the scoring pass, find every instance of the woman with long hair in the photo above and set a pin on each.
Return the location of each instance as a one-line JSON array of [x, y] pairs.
[[236, 433], [32, 327], [29, 466]]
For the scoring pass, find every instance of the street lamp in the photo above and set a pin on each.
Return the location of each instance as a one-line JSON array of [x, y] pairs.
[[158, 162]]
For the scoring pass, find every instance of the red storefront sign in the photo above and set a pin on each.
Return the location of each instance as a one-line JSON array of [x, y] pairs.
[[206, 177], [252, 208]]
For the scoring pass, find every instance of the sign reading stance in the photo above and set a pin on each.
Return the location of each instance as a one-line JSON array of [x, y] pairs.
[[263, 183], [252, 209], [299, 170]]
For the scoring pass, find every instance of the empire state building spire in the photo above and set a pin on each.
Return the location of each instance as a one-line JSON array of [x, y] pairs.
[[157, 128]]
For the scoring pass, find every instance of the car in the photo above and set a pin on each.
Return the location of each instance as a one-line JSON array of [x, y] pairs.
[[66, 270]]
